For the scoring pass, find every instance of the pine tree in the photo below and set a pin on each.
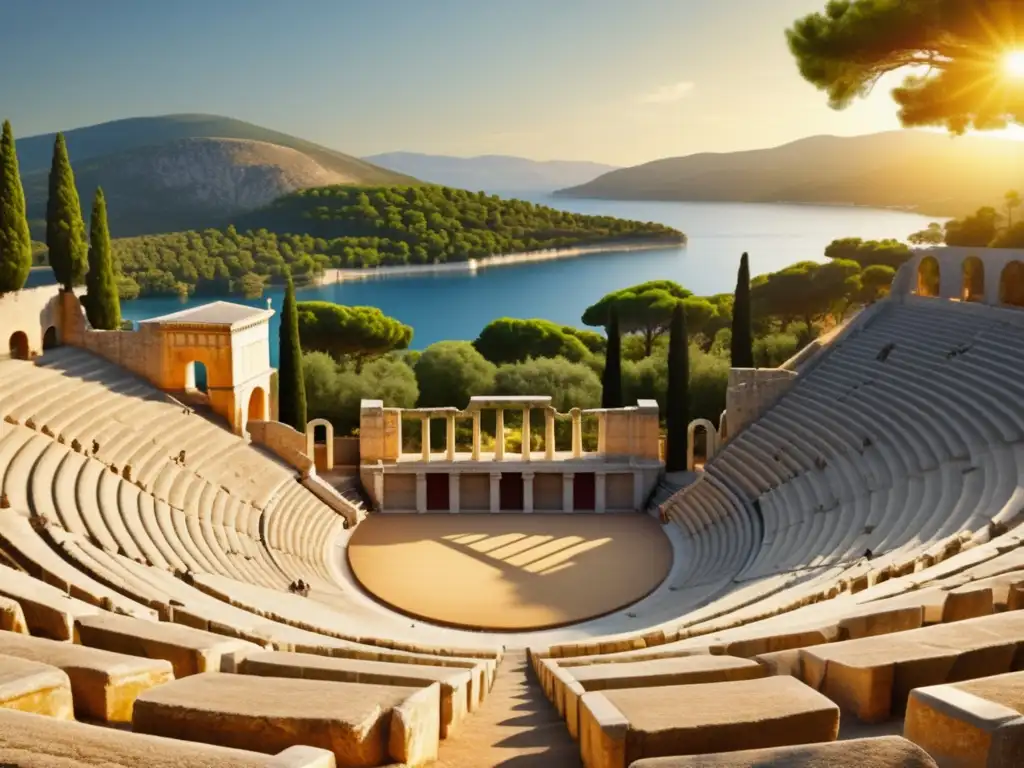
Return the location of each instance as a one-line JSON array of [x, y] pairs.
[[15, 241], [742, 348], [677, 413], [611, 379], [102, 304], [291, 392], [65, 230]]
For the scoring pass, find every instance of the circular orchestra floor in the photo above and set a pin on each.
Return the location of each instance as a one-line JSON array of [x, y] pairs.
[[510, 571]]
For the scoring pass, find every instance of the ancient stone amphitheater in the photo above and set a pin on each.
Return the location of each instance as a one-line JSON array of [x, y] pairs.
[[839, 585]]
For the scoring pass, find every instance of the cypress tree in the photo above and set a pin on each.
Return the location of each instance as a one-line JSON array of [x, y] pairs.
[[102, 304], [611, 379], [742, 348], [677, 413], [15, 241], [291, 388], [65, 230]]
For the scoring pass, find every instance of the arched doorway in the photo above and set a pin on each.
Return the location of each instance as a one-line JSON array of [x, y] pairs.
[[710, 441], [928, 277], [257, 405], [195, 377], [50, 338], [974, 280], [323, 456], [19, 345], [1011, 284]]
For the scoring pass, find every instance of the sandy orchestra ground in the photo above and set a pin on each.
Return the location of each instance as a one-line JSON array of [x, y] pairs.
[[509, 572]]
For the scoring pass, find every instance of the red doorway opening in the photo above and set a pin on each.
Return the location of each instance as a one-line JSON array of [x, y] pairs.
[[584, 492], [511, 491], [437, 492]]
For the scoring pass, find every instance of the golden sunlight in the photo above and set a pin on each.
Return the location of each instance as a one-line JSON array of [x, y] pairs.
[[1013, 63]]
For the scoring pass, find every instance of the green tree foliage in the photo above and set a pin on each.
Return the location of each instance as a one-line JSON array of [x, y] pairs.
[[569, 384], [65, 229], [805, 291], [774, 349], [959, 43], [1012, 201], [15, 242], [291, 397], [875, 282], [741, 349], [508, 340], [1010, 237], [677, 397], [102, 304], [932, 235], [592, 340], [890, 253], [611, 378], [334, 390], [451, 372], [975, 231], [645, 309], [352, 334]]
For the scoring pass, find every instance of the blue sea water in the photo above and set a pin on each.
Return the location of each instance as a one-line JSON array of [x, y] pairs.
[[457, 306]]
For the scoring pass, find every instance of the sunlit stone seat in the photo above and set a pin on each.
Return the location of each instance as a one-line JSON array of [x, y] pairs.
[[36, 741], [46, 611], [881, 752], [618, 727], [104, 684], [456, 689], [980, 722], [12, 618], [363, 725], [29, 686]]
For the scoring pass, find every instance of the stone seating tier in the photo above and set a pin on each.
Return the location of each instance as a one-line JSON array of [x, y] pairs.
[[28, 686]]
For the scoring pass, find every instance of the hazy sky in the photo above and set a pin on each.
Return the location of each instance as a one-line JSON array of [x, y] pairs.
[[617, 81]]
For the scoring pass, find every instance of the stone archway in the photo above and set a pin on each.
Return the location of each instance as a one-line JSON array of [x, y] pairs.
[[929, 279], [311, 441], [196, 377], [973, 280], [257, 410], [18, 346], [1011, 284], [50, 338], [710, 437]]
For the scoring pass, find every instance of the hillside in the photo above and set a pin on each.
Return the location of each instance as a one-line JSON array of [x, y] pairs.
[[177, 172], [492, 173], [928, 172], [344, 226]]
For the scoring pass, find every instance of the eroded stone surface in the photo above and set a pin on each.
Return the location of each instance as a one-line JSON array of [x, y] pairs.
[[28, 686], [883, 752]]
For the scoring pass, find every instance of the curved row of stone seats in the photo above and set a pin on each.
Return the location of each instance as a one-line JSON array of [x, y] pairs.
[[35, 740], [29, 686], [298, 528], [879, 752], [361, 724], [618, 727], [455, 685], [979, 722], [45, 611], [104, 685]]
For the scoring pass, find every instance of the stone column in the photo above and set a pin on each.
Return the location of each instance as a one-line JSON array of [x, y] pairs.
[[638, 489], [378, 487], [577, 433], [421, 492], [495, 491], [454, 486], [425, 436], [450, 437], [549, 434], [600, 492], [499, 434], [526, 434], [567, 492], [476, 435], [527, 491]]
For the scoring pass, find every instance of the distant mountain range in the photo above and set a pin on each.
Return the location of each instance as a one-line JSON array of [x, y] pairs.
[[176, 172], [492, 172], [932, 173]]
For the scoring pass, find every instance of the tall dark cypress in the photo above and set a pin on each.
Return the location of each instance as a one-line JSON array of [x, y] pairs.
[[742, 350], [291, 388], [102, 304], [677, 400], [15, 241], [611, 379], [65, 230]]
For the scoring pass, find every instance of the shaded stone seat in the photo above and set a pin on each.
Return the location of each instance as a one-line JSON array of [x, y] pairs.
[[457, 695], [618, 727], [980, 722], [881, 752], [12, 618], [46, 611], [190, 651], [33, 741], [29, 686], [104, 684], [363, 725], [873, 677]]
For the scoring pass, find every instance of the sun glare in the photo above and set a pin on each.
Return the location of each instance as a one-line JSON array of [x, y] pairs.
[[1014, 64]]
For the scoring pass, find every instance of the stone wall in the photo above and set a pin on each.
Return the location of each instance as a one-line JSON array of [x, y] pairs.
[[632, 431], [284, 442], [380, 432], [751, 391], [30, 311]]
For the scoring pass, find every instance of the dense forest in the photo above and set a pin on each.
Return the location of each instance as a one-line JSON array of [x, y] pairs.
[[357, 227]]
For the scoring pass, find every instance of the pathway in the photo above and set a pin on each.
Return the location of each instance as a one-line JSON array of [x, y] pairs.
[[517, 727]]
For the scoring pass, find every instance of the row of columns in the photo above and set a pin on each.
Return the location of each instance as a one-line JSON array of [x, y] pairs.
[[499, 445], [454, 487]]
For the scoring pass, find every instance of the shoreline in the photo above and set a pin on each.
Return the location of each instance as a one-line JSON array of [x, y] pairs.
[[472, 266]]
